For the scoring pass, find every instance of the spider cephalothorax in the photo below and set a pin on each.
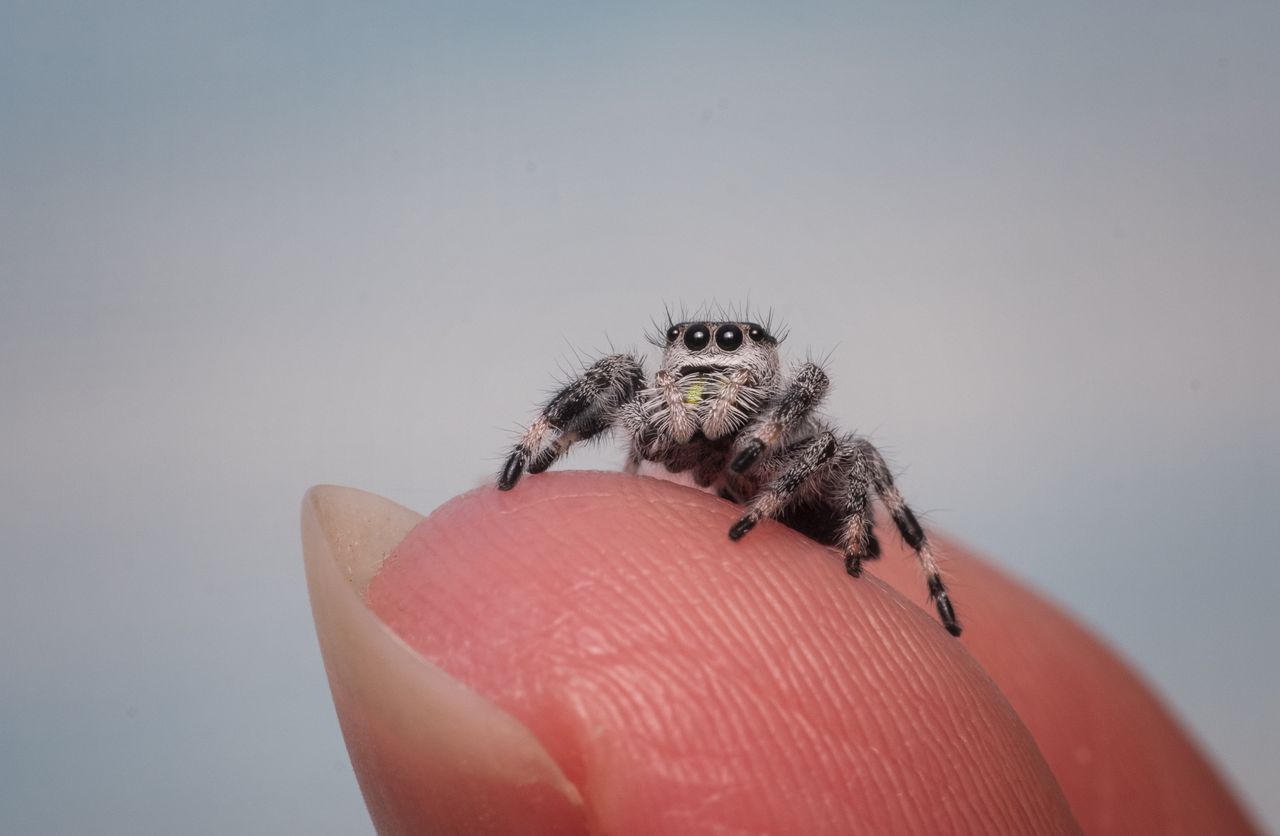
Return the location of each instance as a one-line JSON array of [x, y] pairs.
[[720, 409]]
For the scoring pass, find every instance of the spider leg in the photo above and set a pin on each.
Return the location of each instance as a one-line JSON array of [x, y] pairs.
[[806, 460], [790, 412], [873, 542], [583, 408], [857, 536], [912, 533]]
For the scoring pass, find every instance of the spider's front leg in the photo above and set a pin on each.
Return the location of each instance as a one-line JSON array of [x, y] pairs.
[[790, 412], [806, 460], [583, 408]]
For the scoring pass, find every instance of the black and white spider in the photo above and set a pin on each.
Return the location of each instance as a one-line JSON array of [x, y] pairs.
[[721, 409]]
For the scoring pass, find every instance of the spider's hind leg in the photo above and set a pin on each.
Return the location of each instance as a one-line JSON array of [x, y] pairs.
[[913, 535], [868, 472]]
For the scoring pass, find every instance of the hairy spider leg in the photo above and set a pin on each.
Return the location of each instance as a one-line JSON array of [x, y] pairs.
[[583, 408], [807, 458], [858, 538], [792, 409], [912, 534]]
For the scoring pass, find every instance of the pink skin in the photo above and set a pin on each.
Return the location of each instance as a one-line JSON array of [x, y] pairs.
[[674, 682]]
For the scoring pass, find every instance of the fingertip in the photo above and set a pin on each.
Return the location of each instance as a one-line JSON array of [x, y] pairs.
[[685, 682], [431, 754]]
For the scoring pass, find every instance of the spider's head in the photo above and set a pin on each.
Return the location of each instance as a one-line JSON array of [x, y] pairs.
[[710, 348]]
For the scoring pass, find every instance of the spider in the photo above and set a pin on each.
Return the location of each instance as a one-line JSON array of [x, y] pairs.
[[720, 409]]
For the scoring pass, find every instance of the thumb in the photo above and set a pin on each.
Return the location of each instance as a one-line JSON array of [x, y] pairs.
[[634, 671], [431, 754]]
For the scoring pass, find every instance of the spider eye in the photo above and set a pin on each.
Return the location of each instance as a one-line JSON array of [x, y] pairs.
[[697, 336], [672, 333], [757, 333], [728, 337]]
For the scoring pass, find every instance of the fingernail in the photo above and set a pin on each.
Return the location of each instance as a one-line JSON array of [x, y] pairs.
[[431, 755]]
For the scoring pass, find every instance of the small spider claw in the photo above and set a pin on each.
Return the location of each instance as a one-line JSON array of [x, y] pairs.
[[741, 527], [511, 471], [946, 612], [853, 565], [747, 456]]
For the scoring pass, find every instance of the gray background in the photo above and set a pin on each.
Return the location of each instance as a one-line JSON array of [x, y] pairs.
[[247, 248]]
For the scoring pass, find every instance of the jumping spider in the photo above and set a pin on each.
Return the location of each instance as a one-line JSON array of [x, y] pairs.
[[721, 408]]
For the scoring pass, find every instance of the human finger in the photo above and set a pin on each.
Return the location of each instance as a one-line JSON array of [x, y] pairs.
[[686, 684]]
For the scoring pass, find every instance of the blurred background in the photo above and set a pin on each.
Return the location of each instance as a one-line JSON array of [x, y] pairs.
[[245, 248]]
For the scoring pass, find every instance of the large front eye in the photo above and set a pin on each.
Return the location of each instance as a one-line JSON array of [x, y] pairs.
[[672, 333], [697, 336], [728, 337]]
